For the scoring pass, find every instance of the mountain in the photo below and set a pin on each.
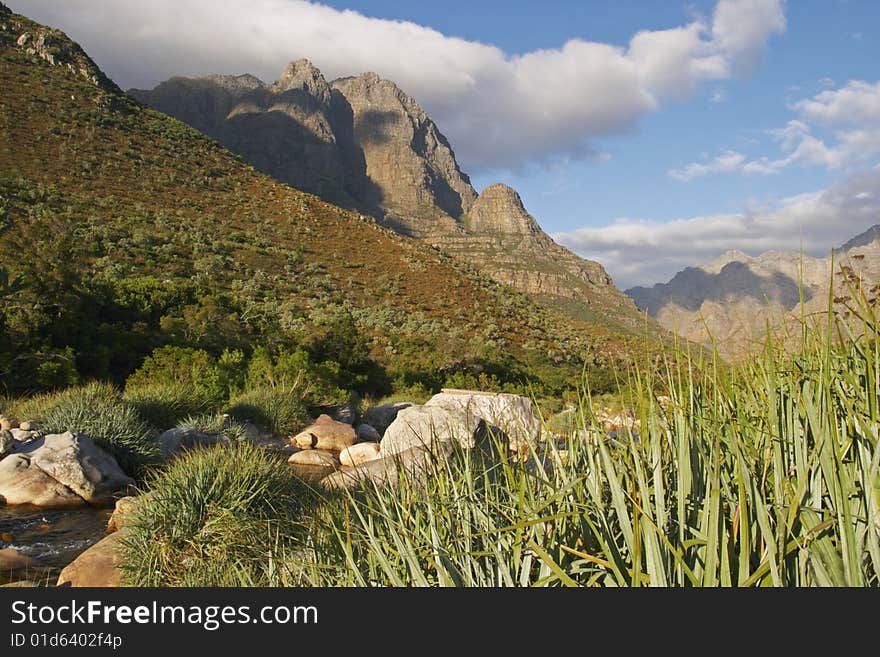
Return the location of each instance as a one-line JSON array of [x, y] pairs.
[[130, 230], [732, 299], [364, 143]]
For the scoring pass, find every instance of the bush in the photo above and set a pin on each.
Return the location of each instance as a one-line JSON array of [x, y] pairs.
[[193, 368], [280, 410], [165, 404], [215, 517], [97, 410]]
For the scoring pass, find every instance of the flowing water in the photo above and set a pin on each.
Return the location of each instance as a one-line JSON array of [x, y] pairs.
[[53, 537]]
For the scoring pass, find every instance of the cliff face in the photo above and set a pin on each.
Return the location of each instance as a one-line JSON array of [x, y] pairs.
[[733, 299], [417, 180], [363, 143]]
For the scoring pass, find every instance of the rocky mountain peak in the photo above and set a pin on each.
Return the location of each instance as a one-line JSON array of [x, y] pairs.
[[236, 83], [305, 76], [499, 209]]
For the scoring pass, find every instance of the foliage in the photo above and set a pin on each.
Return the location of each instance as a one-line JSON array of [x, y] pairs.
[[164, 403], [214, 517], [280, 410]]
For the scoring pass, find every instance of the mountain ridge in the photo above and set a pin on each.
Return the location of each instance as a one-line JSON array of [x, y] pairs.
[[732, 299], [132, 230], [397, 166]]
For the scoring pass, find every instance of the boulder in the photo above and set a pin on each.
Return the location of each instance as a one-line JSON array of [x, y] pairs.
[[359, 453], [380, 417], [512, 414], [75, 461], [366, 433], [326, 433], [7, 442], [24, 435], [97, 566], [181, 439], [345, 413], [13, 561], [61, 471], [122, 513], [427, 426], [415, 462], [21, 482], [26, 426], [315, 457]]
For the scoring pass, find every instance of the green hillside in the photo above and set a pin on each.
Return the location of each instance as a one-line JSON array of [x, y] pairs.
[[125, 230]]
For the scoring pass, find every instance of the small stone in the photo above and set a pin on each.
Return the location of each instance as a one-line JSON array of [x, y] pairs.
[[26, 426], [359, 453], [314, 457]]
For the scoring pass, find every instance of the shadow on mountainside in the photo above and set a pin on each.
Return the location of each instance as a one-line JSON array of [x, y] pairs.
[[692, 286]]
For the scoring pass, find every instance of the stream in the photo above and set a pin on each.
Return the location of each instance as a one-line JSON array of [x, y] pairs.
[[54, 537]]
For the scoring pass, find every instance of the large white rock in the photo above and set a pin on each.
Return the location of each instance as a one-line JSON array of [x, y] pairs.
[[61, 470], [415, 463], [428, 427], [512, 414]]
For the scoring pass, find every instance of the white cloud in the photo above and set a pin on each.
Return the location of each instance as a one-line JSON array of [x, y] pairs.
[[724, 163], [851, 114], [644, 253], [858, 103], [499, 111], [742, 27]]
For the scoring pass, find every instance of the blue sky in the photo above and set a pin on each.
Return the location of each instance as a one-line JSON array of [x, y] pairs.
[[747, 124]]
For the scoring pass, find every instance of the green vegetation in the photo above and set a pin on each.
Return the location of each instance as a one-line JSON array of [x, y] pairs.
[[280, 410], [765, 473], [133, 245], [210, 517]]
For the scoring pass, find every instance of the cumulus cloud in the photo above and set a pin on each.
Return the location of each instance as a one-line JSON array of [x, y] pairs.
[[857, 103], [644, 253], [851, 114], [726, 162], [498, 110]]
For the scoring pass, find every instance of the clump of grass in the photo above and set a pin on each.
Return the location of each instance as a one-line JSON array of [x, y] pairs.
[[279, 409], [216, 517], [165, 404], [218, 424], [99, 411]]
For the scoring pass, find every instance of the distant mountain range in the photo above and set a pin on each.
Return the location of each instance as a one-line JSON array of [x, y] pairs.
[[732, 299], [363, 143]]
